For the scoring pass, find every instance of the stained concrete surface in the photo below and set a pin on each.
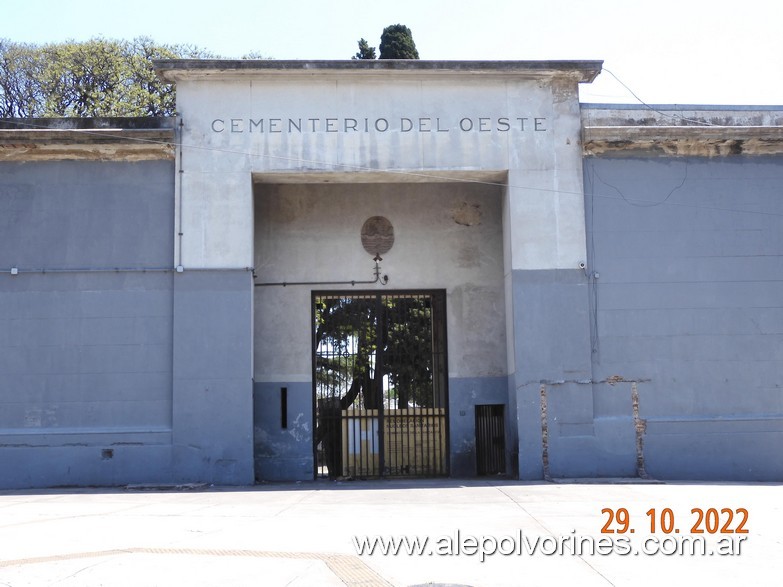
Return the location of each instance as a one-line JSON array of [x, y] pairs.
[[301, 534]]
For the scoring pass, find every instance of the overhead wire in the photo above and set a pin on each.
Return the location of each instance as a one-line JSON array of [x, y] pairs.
[[591, 175], [656, 110], [642, 203], [319, 165]]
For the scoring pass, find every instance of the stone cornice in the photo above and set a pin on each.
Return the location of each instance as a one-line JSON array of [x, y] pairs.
[[174, 70], [670, 132], [133, 139]]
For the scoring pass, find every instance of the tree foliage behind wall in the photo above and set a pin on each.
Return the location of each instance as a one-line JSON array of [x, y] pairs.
[[365, 51], [99, 77], [397, 43]]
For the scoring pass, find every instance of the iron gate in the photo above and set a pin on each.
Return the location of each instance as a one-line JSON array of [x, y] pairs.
[[490, 440], [379, 384]]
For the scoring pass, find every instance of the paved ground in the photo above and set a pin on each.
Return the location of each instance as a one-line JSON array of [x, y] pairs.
[[303, 534]]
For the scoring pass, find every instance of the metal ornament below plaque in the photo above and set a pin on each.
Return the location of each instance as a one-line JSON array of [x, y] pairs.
[[377, 236]]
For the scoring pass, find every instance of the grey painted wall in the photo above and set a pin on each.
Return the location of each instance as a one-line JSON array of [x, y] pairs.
[[283, 453], [551, 348], [689, 301], [213, 375], [129, 376], [72, 214], [464, 395], [85, 358]]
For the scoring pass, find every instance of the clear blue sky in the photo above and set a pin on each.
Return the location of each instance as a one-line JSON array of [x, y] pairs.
[[666, 51]]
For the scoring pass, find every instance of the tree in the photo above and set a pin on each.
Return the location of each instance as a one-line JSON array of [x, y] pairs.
[[365, 51], [350, 335], [98, 77], [371, 353], [397, 43], [20, 93]]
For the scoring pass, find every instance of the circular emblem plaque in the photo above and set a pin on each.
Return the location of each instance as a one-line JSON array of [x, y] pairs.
[[377, 235]]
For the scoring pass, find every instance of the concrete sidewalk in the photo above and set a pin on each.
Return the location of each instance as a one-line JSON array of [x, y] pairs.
[[303, 534]]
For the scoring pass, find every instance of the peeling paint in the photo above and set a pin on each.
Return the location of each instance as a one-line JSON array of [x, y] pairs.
[[87, 139], [467, 214], [669, 131], [640, 427], [544, 433], [299, 429], [612, 380], [685, 147], [16, 152]]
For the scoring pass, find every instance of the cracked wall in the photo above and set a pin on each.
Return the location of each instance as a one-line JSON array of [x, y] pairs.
[[688, 302]]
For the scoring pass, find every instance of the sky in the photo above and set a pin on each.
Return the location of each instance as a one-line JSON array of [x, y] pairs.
[[664, 52]]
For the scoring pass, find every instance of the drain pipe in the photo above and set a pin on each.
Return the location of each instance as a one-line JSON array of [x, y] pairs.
[[180, 173]]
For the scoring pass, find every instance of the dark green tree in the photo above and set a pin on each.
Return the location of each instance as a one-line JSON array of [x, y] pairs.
[[365, 51], [347, 334], [397, 43]]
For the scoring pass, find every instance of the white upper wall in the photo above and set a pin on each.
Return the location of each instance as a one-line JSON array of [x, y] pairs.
[[446, 236], [414, 117]]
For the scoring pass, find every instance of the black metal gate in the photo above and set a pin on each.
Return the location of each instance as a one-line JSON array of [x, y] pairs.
[[490, 440], [379, 384]]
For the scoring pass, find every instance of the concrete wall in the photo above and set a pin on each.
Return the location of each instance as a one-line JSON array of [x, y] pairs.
[[212, 375], [85, 357], [546, 294], [155, 375], [516, 127], [689, 302], [244, 123], [552, 349], [146, 374], [447, 236]]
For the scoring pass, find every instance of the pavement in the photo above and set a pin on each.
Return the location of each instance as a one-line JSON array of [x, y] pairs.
[[304, 534]]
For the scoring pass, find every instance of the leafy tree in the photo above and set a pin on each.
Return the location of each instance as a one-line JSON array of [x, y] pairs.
[[348, 332], [82, 79], [397, 43], [20, 72], [408, 350], [151, 95], [346, 345], [98, 77], [365, 51]]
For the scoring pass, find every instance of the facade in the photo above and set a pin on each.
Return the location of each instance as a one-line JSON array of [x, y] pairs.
[[364, 269]]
